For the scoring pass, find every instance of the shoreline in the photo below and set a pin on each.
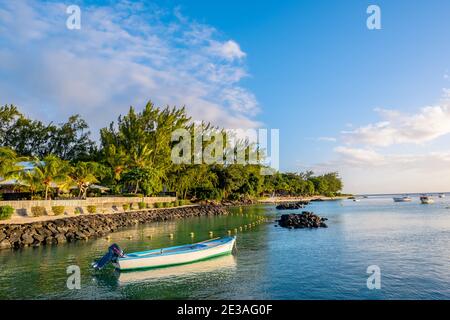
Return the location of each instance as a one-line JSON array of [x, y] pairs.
[[87, 226], [295, 199], [24, 219]]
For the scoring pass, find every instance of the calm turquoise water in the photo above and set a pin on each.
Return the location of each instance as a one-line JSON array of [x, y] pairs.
[[408, 241]]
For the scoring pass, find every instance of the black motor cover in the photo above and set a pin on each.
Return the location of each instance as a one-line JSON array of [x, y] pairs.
[[114, 252]]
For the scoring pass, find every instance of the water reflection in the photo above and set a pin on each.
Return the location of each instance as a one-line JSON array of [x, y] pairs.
[[225, 264]]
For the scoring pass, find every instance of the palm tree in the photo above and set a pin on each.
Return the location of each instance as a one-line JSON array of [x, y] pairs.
[[84, 174], [52, 172], [116, 158], [9, 167], [31, 180], [139, 156]]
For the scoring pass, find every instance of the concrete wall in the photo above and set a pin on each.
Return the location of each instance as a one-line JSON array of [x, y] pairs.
[[103, 204]]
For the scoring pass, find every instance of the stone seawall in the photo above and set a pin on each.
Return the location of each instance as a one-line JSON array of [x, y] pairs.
[[83, 227]]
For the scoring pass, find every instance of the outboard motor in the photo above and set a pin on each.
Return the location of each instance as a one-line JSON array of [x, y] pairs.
[[114, 252]]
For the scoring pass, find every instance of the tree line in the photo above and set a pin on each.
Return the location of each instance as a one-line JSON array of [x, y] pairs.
[[134, 156]]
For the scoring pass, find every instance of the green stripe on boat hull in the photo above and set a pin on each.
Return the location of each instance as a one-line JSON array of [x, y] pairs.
[[176, 264]]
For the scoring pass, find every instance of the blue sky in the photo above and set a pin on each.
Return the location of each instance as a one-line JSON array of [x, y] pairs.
[[371, 104]]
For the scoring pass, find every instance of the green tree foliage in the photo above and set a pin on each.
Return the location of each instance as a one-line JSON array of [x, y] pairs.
[[9, 164], [144, 179], [305, 184], [83, 174], [138, 147], [68, 141], [52, 172], [32, 180], [135, 157]]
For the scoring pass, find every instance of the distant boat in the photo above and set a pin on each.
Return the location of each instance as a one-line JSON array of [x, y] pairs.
[[426, 200], [441, 195], [402, 199]]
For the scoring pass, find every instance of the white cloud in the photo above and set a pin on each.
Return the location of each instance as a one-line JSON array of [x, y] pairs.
[[372, 160], [229, 50], [365, 170], [429, 123], [240, 100], [369, 158], [359, 156], [124, 54], [446, 93]]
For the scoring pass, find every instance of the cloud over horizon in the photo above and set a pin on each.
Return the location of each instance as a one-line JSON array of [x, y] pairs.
[[429, 123], [376, 152], [124, 54]]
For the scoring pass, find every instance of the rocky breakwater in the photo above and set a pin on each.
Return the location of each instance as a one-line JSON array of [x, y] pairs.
[[292, 205], [304, 220], [84, 227]]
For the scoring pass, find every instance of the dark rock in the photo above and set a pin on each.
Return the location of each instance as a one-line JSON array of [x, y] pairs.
[[304, 220], [15, 236], [50, 240], [83, 227], [79, 235], [51, 228], [5, 244], [62, 229], [27, 239], [60, 238], [39, 238], [292, 205]]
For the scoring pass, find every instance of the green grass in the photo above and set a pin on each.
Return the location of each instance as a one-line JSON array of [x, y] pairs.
[[38, 211], [141, 205], [92, 209], [58, 210], [6, 212]]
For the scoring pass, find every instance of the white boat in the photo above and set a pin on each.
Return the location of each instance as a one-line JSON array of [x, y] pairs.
[[442, 195], [402, 199], [426, 200], [165, 257]]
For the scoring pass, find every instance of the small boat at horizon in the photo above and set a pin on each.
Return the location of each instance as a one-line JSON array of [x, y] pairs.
[[402, 199], [441, 195], [166, 257], [426, 200]]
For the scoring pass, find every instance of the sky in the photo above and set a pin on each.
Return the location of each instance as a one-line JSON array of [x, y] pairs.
[[370, 104]]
